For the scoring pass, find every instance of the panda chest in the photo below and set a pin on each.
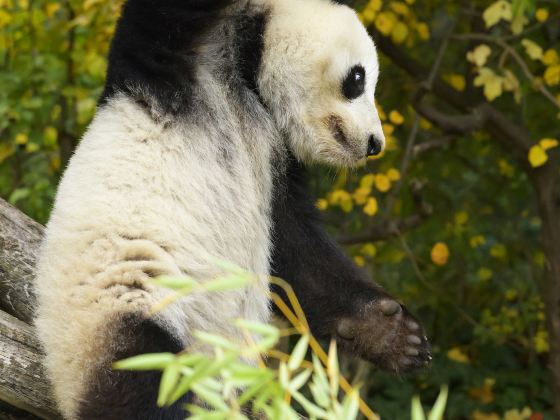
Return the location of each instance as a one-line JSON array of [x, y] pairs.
[[225, 208]]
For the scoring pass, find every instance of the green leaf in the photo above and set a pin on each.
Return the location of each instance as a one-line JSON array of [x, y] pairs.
[[298, 353], [227, 283], [309, 407], [212, 398], [417, 412], [18, 194], [153, 361], [439, 406], [300, 380], [169, 379], [216, 340], [176, 283], [351, 405]]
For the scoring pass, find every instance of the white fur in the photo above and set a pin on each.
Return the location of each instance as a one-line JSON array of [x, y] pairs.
[[145, 196], [310, 45]]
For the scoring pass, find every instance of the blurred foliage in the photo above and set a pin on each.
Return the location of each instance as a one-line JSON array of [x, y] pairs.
[[471, 270]]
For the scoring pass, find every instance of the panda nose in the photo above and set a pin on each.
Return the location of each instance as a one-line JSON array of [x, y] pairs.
[[374, 146]]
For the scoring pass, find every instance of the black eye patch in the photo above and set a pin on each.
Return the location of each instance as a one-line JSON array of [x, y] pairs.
[[354, 83]]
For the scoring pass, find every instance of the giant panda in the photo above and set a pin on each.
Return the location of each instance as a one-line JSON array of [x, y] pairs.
[[211, 112]]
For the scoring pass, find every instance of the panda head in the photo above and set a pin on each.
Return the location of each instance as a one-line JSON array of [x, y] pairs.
[[317, 77]]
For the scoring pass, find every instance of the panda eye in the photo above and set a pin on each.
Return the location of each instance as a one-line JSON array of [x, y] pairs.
[[354, 83]]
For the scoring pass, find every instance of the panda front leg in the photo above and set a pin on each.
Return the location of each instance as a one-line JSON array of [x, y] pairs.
[[337, 298]]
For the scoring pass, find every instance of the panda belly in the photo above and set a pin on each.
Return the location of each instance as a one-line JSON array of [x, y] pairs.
[[138, 201]]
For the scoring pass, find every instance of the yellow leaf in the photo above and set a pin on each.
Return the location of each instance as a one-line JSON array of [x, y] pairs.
[[399, 33], [518, 23], [550, 57], [541, 14], [21, 138], [548, 143], [484, 274], [492, 83], [440, 253], [552, 75], [483, 393], [511, 84], [393, 174], [498, 251], [541, 342], [461, 217], [396, 118], [388, 129], [52, 8], [369, 249], [5, 18], [505, 168], [457, 81], [425, 124], [537, 156], [477, 241], [367, 181], [31, 147], [479, 415], [374, 5], [532, 49], [496, 12], [423, 31], [457, 355], [359, 260], [479, 55], [515, 414], [338, 196], [322, 204], [361, 195], [400, 8], [6, 150], [385, 22], [382, 182], [371, 207]]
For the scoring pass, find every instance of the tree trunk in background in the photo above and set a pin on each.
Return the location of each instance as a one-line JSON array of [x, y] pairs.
[[546, 181]]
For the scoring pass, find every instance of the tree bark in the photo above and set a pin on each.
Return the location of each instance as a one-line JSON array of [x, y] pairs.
[[22, 381], [546, 181], [20, 238]]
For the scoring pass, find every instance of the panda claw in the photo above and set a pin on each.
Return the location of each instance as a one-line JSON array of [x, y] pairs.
[[412, 339], [345, 329], [409, 351], [389, 307]]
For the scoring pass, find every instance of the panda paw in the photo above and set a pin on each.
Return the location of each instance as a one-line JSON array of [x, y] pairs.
[[386, 334]]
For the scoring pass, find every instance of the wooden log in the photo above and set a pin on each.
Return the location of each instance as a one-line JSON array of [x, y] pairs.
[[22, 380], [20, 238], [23, 383]]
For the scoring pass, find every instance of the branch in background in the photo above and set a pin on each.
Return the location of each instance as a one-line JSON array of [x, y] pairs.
[[432, 144], [392, 228], [497, 124], [537, 84]]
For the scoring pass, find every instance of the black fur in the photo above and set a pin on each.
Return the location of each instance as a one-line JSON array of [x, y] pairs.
[[124, 395], [328, 284], [338, 299], [153, 56]]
